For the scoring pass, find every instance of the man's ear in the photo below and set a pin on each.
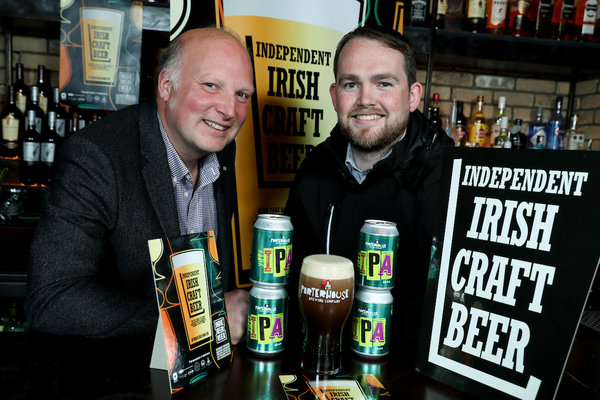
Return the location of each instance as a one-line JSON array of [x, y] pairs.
[[164, 86], [333, 96], [416, 91]]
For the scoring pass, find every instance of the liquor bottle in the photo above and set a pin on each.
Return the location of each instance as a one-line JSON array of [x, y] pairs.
[[44, 90], [61, 114], [537, 132], [556, 128], [73, 120], [418, 13], [495, 128], [435, 100], [518, 18], [49, 141], [563, 18], [543, 19], [30, 157], [21, 89], [478, 126], [440, 17], [451, 125], [573, 139], [496, 16], [32, 104], [460, 131], [517, 138], [455, 15], [476, 15], [435, 117], [501, 140], [586, 13], [12, 126]]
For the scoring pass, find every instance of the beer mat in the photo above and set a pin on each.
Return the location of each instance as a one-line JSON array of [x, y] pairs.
[[591, 319], [347, 387]]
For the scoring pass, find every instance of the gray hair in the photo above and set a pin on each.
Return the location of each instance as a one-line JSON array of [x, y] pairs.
[[171, 58]]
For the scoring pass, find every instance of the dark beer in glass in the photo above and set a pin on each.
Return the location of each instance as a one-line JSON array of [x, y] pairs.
[[325, 293]]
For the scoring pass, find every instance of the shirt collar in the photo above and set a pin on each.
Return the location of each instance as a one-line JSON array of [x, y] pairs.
[[179, 171]]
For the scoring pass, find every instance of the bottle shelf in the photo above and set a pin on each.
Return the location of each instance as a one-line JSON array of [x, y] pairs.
[[42, 17], [503, 54]]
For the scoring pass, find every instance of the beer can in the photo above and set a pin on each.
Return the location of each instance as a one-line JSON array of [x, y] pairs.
[[376, 264], [267, 312], [372, 322], [271, 250]]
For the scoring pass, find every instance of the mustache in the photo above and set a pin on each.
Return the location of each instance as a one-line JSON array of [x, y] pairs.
[[367, 110]]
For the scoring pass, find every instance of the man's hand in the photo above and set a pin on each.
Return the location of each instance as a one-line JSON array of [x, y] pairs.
[[236, 302]]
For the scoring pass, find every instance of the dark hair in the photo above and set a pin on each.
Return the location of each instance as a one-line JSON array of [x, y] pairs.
[[387, 37]]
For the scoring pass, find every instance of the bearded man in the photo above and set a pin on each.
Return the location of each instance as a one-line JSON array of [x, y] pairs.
[[382, 161]]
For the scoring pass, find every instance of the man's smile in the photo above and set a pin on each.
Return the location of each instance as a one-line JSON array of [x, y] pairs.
[[214, 125]]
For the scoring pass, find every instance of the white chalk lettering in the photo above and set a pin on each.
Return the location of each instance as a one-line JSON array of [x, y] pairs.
[[472, 274], [497, 213], [525, 179], [498, 326]]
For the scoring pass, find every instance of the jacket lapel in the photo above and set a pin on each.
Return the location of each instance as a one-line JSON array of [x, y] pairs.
[[156, 172]]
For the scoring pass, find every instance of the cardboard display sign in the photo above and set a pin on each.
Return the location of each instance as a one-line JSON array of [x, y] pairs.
[[512, 264], [100, 50], [192, 336], [348, 387]]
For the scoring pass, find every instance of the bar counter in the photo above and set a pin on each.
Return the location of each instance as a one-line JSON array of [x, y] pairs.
[[36, 366]]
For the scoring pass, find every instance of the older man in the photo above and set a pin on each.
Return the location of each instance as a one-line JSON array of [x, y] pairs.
[[164, 168]]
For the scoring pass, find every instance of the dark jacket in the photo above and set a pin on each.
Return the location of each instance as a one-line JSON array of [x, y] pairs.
[[89, 270], [402, 188]]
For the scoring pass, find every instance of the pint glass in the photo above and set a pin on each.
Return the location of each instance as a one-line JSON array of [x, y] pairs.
[[325, 294]]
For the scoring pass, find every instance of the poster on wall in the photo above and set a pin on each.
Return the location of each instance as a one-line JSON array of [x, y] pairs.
[[292, 44], [100, 50], [511, 268]]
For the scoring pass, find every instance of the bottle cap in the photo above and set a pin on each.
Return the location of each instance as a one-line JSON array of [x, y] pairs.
[[436, 97], [501, 101]]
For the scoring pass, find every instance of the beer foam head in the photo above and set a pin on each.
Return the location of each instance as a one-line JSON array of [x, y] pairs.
[[327, 266]]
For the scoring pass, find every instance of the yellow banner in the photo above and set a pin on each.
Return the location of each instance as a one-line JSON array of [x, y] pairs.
[[292, 45]]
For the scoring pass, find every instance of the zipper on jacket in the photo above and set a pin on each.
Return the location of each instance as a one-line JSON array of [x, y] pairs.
[[328, 238], [433, 140]]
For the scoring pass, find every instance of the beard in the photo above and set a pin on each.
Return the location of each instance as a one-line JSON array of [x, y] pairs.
[[376, 141]]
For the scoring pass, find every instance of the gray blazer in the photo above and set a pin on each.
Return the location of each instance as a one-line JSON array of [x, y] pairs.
[[89, 266]]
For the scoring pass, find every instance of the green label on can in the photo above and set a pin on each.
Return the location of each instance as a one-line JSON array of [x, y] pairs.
[[271, 256], [266, 325], [376, 261], [371, 325]]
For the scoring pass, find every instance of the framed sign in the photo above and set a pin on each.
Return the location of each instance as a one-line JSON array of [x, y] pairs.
[[514, 256]]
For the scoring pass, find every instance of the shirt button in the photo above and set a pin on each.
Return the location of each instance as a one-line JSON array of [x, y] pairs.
[[185, 194], [174, 180], [192, 231]]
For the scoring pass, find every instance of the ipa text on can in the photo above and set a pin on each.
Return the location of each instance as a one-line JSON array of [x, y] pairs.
[[267, 312], [271, 250], [376, 263], [372, 322]]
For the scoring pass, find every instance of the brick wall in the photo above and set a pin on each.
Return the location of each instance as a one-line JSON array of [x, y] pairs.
[[523, 95], [31, 51]]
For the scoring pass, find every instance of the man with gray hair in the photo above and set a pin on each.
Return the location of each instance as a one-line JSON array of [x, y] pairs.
[[159, 169]]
